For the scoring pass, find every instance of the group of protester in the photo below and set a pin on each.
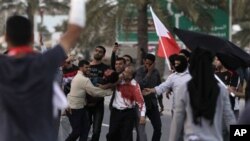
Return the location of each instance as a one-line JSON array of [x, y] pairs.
[[135, 94], [127, 103], [202, 108]]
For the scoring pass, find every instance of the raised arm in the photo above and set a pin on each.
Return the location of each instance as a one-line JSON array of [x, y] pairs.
[[113, 56], [77, 19]]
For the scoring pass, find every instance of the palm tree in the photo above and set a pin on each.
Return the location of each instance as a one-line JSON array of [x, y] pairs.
[[141, 12], [240, 8], [196, 10], [100, 25], [49, 6], [121, 10], [31, 7], [104, 15], [8, 8]]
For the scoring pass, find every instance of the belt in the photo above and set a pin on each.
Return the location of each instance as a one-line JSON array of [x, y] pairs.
[[123, 110]]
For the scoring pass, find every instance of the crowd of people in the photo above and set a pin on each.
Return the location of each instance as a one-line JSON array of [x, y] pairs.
[[196, 103], [203, 109]]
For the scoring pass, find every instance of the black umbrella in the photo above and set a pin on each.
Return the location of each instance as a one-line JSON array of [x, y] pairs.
[[230, 55]]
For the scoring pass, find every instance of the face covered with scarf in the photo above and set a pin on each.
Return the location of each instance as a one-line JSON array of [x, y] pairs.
[[180, 64]]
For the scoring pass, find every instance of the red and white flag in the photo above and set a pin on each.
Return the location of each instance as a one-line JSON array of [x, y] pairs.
[[167, 43]]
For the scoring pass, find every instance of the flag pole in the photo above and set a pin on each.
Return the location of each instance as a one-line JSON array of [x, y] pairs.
[[223, 84], [164, 51], [165, 54]]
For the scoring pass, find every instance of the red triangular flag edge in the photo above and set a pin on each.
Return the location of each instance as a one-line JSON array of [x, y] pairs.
[[170, 45]]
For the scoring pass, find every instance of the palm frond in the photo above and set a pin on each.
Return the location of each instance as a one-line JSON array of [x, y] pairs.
[[53, 7]]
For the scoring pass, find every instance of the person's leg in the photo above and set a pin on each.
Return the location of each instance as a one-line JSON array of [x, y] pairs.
[[64, 129], [247, 91], [140, 128], [154, 116], [142, 136], [114, 125], [236, 113], [85, 126], [232, 101], [75, 119], [97, 121], [127, 125], [90, 113]]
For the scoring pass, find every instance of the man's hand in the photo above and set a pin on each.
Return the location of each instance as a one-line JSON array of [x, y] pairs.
[[121, 77], [106, 86], [116, 47], [70, 59], [147, 91], [142, 120], [168, 94], [69, 110], [231, 89]]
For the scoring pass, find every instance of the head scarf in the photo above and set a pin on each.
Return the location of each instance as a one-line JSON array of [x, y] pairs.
[[183, 64], [203, 88]]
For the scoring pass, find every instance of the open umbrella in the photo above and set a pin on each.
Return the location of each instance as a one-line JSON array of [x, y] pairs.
[[230, 55]]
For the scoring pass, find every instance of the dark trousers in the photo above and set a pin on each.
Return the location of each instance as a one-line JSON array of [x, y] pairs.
[[121, 125], [79, 123], [154, 116], [232, 101], [95, 114]]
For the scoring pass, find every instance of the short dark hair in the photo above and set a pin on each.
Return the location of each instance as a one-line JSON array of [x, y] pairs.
[[150, 57], [181, 58], [103, 48], [130, 58], [19, 30], [82, 63], [171, 58], [121, 59], [186, 53]]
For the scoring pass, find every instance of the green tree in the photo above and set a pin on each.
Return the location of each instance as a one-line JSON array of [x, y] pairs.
[[240, 8], [196, 11], [49, 6], [100, 24], [103, 16], [32, 7]]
